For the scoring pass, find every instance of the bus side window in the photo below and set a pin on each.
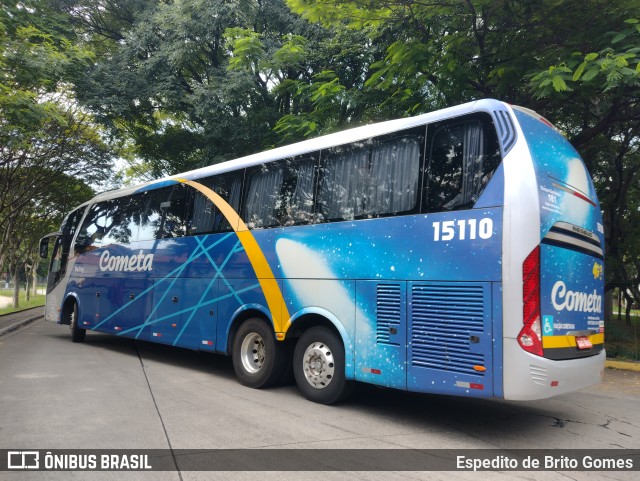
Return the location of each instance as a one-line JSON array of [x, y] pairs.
[[69, 230], [56, 258], [372, 178], [164, 213], [343, 183], [462, 156], [122, 222], [151, 218], [174, 212], [297, 195], [444, 190], [262, 199], [394, 176], [205, 217], [93, 228]]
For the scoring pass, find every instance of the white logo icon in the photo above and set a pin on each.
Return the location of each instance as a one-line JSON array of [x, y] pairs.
[[23, 460]]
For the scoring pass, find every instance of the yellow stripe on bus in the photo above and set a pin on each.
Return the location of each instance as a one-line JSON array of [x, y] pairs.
[[551, 342], [268, 283]]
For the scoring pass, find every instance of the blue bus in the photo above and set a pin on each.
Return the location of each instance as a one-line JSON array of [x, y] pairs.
[[457, 252]]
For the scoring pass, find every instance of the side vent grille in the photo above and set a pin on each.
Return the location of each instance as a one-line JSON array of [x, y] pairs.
[[445, 319], [539, 375], [388, 314], [506, 130]]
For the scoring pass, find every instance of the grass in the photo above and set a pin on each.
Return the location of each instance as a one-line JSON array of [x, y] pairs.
[[622, 341], [34, 301]]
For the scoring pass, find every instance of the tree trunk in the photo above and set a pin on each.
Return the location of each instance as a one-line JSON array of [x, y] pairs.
[[629, 300], [608, 304], [34, 279], [619, 304], [27, 276], [16, 287]]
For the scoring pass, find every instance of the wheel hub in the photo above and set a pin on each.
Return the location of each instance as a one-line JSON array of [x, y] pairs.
[[252, 352], [319, 365]]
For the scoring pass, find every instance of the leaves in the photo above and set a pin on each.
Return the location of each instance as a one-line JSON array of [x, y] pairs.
[[615, 66], [51, 148]]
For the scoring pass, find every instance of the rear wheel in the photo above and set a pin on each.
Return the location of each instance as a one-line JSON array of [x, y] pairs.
[[319, 365], [77, 334], [258, 359]]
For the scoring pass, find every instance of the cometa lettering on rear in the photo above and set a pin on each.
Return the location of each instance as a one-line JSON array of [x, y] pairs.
[[573, 300], [134, 263]]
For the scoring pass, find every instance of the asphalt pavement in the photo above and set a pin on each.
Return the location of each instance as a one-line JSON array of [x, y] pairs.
[[116, 393]]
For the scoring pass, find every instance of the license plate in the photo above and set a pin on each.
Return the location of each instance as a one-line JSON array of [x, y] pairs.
[[583, 342]]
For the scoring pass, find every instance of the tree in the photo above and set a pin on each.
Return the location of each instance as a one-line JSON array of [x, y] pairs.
[[44, 135], [166, 86], [194, 82]]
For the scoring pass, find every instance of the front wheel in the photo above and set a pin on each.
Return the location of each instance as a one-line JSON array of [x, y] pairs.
[[77, 334], [319, 365], [258, 359]]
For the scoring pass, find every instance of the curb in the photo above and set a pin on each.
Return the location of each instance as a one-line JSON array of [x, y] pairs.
[[624, 365], [19, 324]]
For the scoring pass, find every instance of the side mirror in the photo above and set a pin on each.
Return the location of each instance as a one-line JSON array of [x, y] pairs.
[[44, 243], [44, 247]]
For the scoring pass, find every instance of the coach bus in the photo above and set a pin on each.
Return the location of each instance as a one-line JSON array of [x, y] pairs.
[[457, 252]]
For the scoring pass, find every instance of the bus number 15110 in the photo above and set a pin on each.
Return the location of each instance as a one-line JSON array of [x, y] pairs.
[[463, 229]]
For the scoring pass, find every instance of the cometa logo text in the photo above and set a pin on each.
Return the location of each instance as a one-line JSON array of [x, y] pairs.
[[137, 262], [575, 301]]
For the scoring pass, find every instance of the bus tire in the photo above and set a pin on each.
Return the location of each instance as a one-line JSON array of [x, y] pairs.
[[319, 366], [77, 334], [258, 359]]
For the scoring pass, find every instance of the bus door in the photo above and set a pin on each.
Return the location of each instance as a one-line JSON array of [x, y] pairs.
[[56, 271]]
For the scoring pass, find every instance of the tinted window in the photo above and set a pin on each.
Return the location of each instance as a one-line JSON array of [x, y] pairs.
[[372, 178], [463, 154], [121, 226], [69, 229], [262, 200], [343, 185], [296, 203], [174, 213], [394, 171], [93, 227], [164, 213], [205, 216]]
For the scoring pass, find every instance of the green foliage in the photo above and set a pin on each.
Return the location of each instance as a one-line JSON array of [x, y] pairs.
[[50, 147], [246, 47], [615, 66], [186, 83], [356, 14], [194, 82], [325, 94]]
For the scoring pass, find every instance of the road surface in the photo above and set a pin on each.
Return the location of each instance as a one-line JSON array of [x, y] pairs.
[[111, 392]]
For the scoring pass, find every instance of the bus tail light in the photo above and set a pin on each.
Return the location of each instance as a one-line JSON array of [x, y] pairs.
[[530, 337]]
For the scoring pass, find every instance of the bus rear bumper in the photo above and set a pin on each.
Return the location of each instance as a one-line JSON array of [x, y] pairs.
[[528, 377]]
